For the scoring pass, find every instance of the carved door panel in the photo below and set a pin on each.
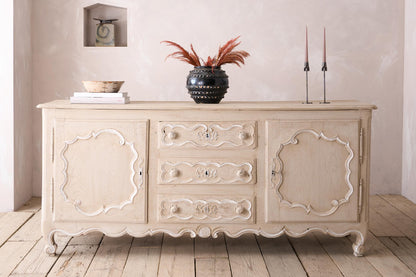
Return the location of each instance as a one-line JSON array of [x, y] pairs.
[[100, 170], [313, 171]]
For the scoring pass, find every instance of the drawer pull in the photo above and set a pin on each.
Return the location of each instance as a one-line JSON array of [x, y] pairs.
[[172, 135], [174, 173], [174, 209], [244, 135], [239, 209], [242, 173]]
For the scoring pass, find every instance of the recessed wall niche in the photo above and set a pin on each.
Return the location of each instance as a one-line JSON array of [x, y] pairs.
[[103, 11]]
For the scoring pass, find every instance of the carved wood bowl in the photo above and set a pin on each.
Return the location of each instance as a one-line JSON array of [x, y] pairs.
[[103, 86]]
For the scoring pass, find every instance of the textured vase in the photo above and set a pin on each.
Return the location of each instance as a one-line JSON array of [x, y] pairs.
[[206, 84], [105, 35]]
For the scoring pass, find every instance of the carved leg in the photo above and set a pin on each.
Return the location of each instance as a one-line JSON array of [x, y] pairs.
[[358, 245], [50, 247]]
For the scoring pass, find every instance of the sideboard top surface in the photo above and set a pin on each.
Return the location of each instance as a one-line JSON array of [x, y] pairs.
[[226, 105]]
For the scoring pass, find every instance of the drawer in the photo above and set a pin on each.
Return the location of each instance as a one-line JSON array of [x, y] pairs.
[[205, 209], [195, 171], [208, 135]]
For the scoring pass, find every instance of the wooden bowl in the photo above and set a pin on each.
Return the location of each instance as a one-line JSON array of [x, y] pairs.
[[103, 86]]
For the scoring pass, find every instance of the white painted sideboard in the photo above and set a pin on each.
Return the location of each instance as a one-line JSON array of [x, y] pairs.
[[267, 168]]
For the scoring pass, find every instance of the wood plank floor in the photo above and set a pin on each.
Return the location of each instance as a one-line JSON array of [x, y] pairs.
[[390, 250]]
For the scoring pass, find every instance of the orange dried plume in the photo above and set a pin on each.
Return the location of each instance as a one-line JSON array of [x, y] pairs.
[[226, 54], [182, 54]]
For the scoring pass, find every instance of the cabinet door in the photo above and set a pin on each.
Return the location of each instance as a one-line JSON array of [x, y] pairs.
[[313, 171], [100, 168]]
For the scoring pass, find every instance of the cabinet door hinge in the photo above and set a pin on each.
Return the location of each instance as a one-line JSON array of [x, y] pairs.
[[52, 193], [360, 196], [53, 145], [361, 144]]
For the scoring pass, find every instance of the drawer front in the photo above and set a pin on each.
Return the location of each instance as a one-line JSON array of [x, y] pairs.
[[205, 209], [193, 171], [208, 135]]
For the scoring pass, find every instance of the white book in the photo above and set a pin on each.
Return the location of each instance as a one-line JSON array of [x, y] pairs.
[[100, 94], [99, 100]]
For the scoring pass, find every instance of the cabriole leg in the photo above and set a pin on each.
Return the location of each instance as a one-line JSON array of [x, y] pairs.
[[50, 247], [358, 245]]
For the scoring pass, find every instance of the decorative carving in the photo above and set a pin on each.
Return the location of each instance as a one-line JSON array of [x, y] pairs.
[[104, 208], [204, 231], [208, 135], [206, 172], [186, 209], [279, 174], [203, 172]]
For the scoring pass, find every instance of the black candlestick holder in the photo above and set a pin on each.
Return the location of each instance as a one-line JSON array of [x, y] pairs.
[[306, 69], [324, 69]]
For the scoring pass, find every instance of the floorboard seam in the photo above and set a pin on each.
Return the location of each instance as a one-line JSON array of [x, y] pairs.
[[160, 254], [57, 257], [403, 262], [369, 260], [394, 207], [18, 228], [24, 256], [128, 253], [297, 256], [330, 257], [261, 252], [228, 255], [93, 256]]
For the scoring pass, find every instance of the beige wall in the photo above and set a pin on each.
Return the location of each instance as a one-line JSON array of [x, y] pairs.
[[22, 102], [409, 103], [365, 57]]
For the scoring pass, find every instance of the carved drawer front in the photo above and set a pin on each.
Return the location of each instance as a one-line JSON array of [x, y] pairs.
[[193, 171], [207, 209], [100, 171], [314, 171], [208, 135]]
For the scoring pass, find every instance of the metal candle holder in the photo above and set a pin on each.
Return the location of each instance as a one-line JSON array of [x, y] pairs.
[[306, 69], [324, 69]]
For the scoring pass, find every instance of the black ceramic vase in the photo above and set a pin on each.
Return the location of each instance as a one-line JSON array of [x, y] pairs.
[[206, 84]]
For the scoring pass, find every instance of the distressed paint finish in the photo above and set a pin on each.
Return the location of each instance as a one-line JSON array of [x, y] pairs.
[[213, 206], [364, 52]]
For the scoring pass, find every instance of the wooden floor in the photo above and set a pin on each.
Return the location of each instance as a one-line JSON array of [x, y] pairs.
[[390, 250]]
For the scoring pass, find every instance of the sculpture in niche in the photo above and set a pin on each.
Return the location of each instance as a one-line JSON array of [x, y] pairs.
[[105, 35]]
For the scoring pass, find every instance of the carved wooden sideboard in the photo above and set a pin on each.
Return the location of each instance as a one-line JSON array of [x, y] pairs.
[[267, 168]]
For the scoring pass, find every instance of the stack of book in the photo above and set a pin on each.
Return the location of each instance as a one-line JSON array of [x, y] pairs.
[[100, 98]]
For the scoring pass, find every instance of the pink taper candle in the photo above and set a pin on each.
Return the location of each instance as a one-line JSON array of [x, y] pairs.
[[306, 50], [324, 57]]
